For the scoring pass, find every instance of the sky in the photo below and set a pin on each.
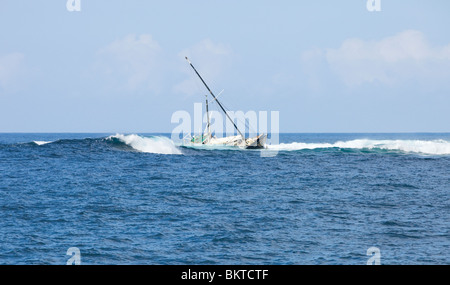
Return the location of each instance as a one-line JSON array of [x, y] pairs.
[[324, 65]]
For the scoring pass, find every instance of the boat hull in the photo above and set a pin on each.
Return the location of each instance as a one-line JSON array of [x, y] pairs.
[[258, 142]]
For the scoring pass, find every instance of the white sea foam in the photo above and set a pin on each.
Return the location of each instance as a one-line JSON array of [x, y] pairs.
[[41, 142], [157, 144], [433, 147]]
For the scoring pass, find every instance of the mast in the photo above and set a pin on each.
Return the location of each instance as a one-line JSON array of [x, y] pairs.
[[208, 126], [220, 105]]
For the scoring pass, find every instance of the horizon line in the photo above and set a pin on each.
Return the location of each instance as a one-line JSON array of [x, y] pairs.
[[115, 132]]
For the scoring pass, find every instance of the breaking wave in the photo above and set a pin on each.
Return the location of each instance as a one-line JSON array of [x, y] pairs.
[[434, 147], [164, 145], [41, 142], [155, 144]]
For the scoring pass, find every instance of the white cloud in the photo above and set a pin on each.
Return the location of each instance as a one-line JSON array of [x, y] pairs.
[[405, 56], [210, 59], [11, 67], [131, 62]]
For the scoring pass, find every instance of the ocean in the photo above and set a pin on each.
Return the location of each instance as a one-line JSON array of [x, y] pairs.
[[142, 199]]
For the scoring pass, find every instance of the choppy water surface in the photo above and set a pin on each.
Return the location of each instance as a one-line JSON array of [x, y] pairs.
[[141, 199]]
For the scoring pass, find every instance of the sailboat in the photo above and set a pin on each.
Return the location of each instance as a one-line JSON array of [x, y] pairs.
[[206, 138]]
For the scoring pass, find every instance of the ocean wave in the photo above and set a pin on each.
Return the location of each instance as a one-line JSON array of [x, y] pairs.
[[154, 144], [41, 142], [164, 145], [433, 147]]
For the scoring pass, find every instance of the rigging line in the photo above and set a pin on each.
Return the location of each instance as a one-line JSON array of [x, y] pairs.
[[247, 125], [204, 83], [220, 93], [215, 100]]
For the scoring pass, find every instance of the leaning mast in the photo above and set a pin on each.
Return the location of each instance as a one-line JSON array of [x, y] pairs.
[[220, 105]]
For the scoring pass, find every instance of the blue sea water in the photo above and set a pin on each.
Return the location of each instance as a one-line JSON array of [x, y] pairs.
[[140, 199]]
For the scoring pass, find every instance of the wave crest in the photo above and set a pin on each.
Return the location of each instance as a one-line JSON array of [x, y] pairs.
[[434, 147], [41, 142], [156, 144]]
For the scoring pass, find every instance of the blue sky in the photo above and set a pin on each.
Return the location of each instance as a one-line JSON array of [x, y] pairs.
[[326, 66]]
